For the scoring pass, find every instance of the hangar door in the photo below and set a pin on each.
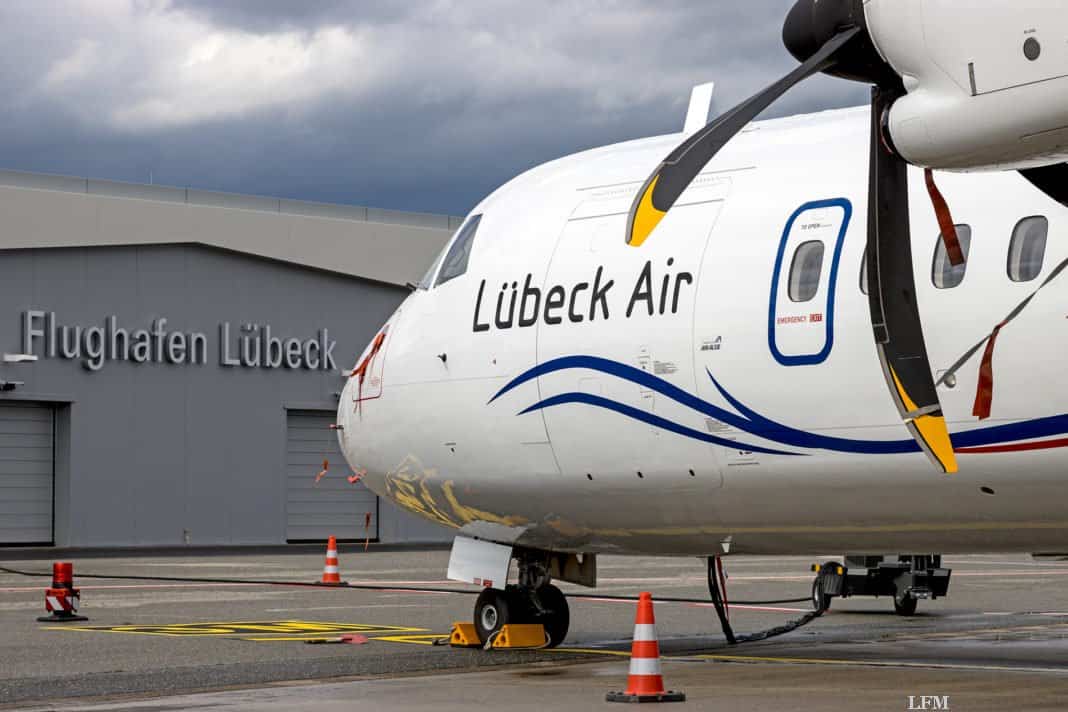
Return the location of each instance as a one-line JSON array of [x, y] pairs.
[[315, 511], [27, 472]]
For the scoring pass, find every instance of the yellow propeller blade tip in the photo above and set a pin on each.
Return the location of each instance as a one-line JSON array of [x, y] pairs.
[[646, 217], [932, 428]]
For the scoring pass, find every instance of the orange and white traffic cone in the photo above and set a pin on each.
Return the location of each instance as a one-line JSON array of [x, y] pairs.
[[645, 683], [331, 574]]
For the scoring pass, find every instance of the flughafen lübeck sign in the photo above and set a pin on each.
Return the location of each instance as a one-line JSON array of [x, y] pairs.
[[242, 345]]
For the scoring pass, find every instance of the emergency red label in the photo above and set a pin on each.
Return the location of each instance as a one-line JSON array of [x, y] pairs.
[[798, 319]]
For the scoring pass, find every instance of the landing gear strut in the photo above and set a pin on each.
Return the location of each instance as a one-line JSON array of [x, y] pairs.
[[533, 600]]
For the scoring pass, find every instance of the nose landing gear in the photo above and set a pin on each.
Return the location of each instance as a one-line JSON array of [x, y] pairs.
[[546, 605], [533, 600]]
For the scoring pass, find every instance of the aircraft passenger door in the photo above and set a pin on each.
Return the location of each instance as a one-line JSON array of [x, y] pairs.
[[803, 283], [626, 335]]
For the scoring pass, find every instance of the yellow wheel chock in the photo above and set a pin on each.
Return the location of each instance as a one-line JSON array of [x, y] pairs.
[[512, 636], [464, 635], [520, 635]]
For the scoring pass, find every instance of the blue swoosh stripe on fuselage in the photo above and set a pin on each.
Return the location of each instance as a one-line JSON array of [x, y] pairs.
[[755, 424], [1008, 432], [777, 432], [651, 419], [627, 373]]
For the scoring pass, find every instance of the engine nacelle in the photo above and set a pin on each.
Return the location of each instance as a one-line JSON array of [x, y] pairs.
[[987, 82]]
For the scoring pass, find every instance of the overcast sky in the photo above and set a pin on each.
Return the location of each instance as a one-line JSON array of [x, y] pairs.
[[417, 105]]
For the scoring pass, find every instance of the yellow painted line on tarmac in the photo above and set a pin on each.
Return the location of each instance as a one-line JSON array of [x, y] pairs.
[[421, 639], [873, 663], [318, 636], [292, 630], [593, 651], [979, 632]]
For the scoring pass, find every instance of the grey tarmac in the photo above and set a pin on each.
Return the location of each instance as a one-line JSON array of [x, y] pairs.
[[999, 641]]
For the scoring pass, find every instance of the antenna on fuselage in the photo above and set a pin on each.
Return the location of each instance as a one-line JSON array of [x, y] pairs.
[[700, 108]]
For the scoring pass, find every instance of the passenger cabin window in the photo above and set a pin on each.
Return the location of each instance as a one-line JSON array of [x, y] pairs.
[[1028, 248], [944, 274], [805, 271], [455, 263]]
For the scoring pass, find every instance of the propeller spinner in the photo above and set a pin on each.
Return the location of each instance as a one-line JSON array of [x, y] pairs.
[[831, 36]]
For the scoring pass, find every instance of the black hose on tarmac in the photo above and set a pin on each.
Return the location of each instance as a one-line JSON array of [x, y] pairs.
[[384, 586], [716, 581]]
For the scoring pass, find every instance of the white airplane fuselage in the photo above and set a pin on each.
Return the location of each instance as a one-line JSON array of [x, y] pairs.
[[573, 393]]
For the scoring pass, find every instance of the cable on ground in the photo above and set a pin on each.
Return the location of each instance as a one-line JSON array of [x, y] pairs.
[[717, 585], [370, 587]]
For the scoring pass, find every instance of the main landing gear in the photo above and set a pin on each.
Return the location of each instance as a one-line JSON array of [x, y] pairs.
[[908, 580], [533, 600]]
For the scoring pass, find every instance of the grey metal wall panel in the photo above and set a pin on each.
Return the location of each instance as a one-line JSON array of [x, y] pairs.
[[44, 181], [26, 473], [393, 252], [140, 191], [332, 506], [167, 454], [396, 524], [324, 210], [233, 200], [430, 220]]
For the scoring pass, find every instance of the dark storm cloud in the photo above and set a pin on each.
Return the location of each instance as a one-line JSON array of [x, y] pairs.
[[272, 15], [413, 105]]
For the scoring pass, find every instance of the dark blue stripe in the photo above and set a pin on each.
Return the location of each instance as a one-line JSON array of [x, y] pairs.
[[1024, 430], [777, 432], [755, 424], [647, 417], [627, 373], [994, 434]]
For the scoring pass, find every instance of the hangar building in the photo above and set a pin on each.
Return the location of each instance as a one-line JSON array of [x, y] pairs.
[[172, 361]]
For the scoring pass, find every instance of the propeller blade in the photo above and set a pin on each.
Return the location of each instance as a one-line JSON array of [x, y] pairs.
[[1051, 180], [682, 165], [895, 316]]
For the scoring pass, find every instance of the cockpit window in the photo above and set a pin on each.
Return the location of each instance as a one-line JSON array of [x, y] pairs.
[[428, 278], [455, 263]]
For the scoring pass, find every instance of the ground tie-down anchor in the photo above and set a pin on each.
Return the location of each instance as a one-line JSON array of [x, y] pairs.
[[828, 582], [62, 599]]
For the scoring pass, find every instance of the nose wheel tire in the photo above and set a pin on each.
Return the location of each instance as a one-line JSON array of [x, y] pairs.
[[556, 617], [493, 610]]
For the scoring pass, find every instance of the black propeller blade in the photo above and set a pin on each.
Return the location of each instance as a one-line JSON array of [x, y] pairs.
[[848, 52], [895, 317], [679, 169]]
